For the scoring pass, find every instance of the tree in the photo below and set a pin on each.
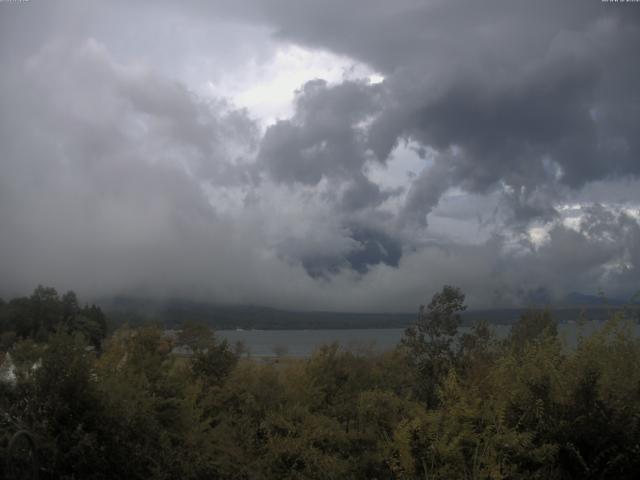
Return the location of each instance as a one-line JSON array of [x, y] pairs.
[[70, 307], [215, 363], [46, 309], [430, 341], [64, 409], [533, 325], [92, 323], [197, 336]]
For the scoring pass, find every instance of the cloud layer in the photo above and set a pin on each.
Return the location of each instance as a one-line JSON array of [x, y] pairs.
[[493, 145]]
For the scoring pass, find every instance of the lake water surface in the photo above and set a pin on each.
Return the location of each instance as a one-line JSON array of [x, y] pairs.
[[302, 343]]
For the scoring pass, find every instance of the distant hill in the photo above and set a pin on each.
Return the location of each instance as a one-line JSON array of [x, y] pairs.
[[580, 299], [173, 312]]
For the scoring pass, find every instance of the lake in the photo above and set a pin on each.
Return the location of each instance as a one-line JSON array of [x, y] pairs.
[[302, 343]]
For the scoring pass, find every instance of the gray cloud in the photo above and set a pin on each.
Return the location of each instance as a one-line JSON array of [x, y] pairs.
[[118, 173], [426, 190], [527, 95], [103, 167], [323, 138]]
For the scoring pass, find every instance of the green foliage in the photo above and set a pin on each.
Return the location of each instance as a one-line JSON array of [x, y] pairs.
[[430, 341], [65, 410], [440, 406], [153, 421], [213, 365], [533, 326], [44, 312]]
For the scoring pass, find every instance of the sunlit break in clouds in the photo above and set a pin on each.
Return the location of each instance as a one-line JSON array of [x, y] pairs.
[[350, 156]]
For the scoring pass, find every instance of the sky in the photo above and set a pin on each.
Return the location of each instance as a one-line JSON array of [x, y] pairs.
[[348, 156]]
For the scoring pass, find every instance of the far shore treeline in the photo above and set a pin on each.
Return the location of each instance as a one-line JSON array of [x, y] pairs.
[[173, 312], [115, 400]]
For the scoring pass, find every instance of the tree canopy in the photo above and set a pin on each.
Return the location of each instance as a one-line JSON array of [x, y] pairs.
[[443, 404]]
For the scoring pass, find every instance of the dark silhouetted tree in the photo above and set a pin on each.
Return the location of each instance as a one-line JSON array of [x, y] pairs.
[[430, 341]]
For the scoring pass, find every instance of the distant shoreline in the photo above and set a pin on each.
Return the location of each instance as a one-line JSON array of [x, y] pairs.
[[172, 313]]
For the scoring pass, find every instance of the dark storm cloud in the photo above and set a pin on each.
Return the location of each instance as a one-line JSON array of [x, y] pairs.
[[514, 86], [323, 137], [327, 138], [537, 125], [363, 247], [375, 247], [362, 192], [527, 93]]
